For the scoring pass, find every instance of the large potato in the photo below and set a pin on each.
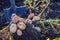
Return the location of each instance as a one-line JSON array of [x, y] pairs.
[[13, 28], [19, 32], [21, 26]]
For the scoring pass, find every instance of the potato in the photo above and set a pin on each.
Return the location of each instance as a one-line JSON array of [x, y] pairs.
[[19, 32], [13, 15], [29, 21], [13, 28], [38, 29], [31, 16], [35, 18], [21, 26], [22, 20], [15, 19]]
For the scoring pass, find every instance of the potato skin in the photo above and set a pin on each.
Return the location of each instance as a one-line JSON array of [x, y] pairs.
[[21, 26], [35, 18], [31, 16], [13, 15], [22, 20], [13, 28], [29, 21], [15, 19], [19, 32]]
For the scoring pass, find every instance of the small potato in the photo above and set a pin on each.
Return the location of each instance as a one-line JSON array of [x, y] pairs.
[[15, 19], [21, 26], [13, 15], [22, 20], [31, 16], [38, 29], [19, 32], [35, 18], [13, 28], [29, 21]]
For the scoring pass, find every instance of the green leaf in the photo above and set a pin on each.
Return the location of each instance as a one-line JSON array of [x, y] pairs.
[[43, 0], [11, 37]]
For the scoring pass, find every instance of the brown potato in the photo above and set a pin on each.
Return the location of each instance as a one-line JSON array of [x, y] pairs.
[[15, 19], [29, 21], [35, 18], [22, 20], [38, 29], [13, 28], [13, 15], [31, 16], [19, 32], [21, 26]]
